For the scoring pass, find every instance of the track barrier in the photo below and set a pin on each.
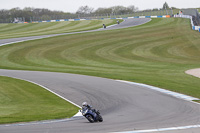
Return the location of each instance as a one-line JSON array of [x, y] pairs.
[[59, 20], [162, 16], [192, 23]]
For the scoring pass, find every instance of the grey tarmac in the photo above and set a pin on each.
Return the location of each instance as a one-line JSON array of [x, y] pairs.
[[124, 107], [127, 23]]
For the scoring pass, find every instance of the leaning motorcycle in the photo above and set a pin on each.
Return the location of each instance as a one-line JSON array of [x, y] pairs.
[[92, 115]]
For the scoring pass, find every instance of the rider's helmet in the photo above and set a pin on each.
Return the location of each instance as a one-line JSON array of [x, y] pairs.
[[84, 104]]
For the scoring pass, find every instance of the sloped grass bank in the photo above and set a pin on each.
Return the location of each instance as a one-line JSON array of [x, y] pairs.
[[156, 53], [33, 29], [21, 101]]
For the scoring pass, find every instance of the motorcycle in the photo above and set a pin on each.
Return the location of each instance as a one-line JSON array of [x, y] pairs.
[[91, 115]]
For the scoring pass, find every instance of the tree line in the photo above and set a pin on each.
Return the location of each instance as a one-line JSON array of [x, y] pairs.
[[38, 14], [110, 10], [30, 14]]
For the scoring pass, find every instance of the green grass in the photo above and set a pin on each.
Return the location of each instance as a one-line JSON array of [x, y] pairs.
[[18, 101], [157, 53], [33, 29], [21, 101]]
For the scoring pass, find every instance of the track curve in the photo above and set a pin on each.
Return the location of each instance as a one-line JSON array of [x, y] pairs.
[[127, 23], [124, 107]]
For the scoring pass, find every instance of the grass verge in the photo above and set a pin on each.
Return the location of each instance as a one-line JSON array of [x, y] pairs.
[[33, 29], [21, 101], [157, 53]]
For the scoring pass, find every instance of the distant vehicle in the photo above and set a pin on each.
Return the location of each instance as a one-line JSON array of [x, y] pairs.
[[104, 26], [91, 115]]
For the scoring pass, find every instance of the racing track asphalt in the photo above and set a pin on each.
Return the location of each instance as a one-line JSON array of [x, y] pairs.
[[127, 23], [124, 107]]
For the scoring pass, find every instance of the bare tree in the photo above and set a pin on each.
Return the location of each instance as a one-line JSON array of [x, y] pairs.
[[103, 11], [165, 6], [132, 8], [85, 10]]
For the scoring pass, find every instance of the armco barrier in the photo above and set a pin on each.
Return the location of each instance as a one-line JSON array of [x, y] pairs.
[[59, 20], [190, 17]]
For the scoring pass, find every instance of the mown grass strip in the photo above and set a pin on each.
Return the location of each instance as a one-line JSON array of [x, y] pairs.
[[157, 53], [21, 101], [33, 29]]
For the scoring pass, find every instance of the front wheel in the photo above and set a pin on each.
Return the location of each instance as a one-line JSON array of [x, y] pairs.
[[100, 118], [90, 118]]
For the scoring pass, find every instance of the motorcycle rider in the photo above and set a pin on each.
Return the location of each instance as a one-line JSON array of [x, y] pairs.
[[85, 105], [97, 117], [104, 26]]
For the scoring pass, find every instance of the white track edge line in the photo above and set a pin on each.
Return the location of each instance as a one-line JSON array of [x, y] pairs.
[[51, 92], [60, 34], [161, 129], [25, 40], [175, 94], [47, 121], [48, 36]]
